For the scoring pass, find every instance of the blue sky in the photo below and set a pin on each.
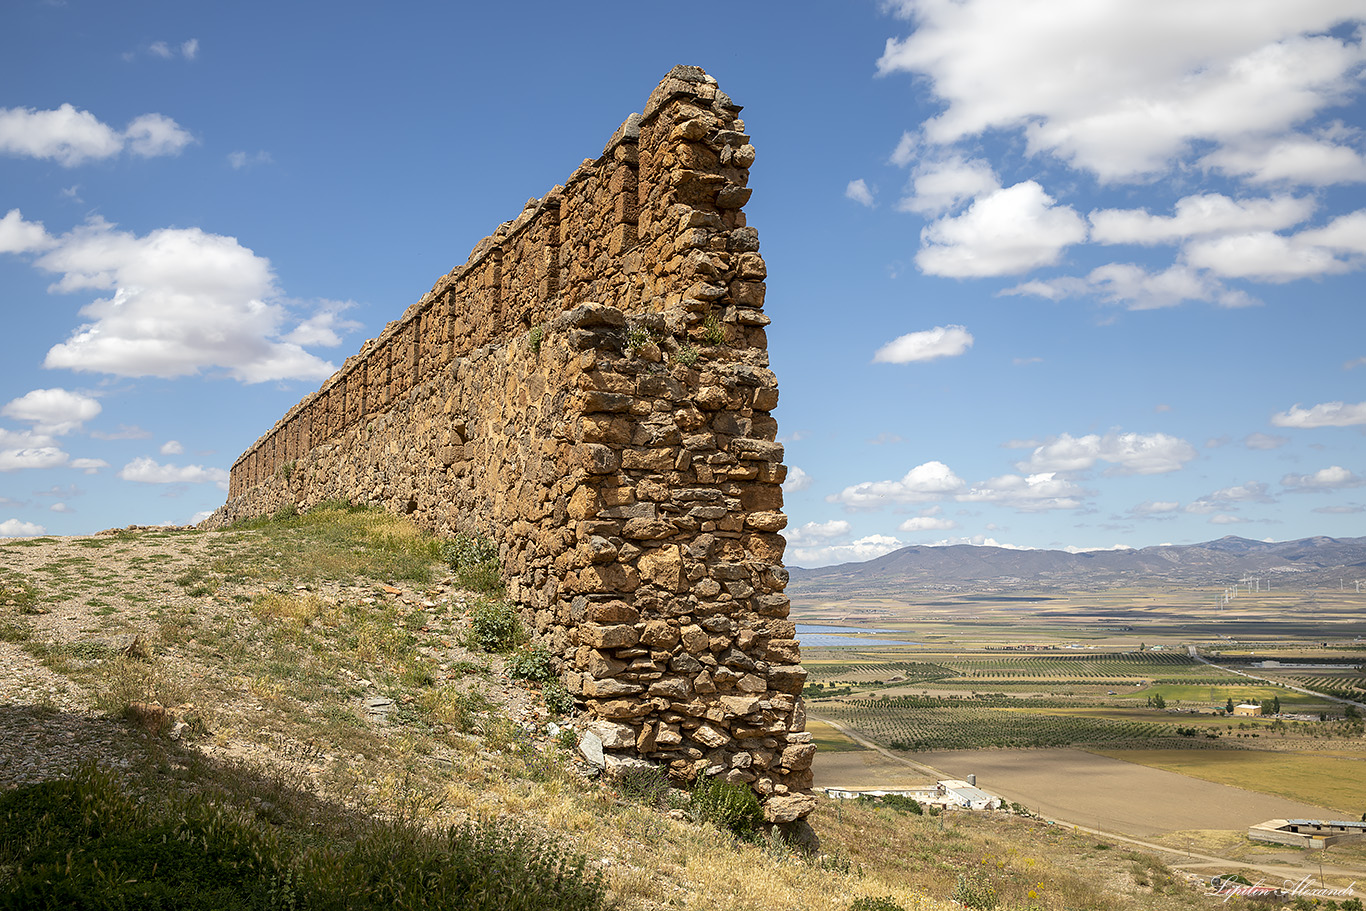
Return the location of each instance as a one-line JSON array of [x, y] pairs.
[[1072, 273]]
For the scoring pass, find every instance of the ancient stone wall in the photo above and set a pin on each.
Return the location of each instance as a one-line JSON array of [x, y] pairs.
[[591, 389]]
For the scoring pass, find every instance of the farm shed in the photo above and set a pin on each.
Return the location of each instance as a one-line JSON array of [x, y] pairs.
[[1247, 708], [1307, 833], [963, 794]]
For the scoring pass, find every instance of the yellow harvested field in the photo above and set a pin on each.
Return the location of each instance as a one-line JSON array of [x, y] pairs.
[[1325, 779], [828, 738], [864, 769], [1093, 790]]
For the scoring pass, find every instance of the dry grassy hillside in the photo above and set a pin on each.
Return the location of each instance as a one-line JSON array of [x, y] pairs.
[[325, 693]]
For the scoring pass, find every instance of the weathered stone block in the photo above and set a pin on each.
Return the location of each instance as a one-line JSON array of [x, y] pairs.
[[612, 735], [617, 636], [660, 634], [664, 567]]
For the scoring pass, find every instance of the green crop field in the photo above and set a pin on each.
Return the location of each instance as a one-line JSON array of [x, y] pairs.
[[931, 723]]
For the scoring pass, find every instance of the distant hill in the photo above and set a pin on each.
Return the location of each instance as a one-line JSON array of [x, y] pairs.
[[1308, 562]]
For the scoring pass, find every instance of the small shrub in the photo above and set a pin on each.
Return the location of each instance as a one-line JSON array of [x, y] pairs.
[[637, 338], [466, 549], [447, 705], [974, 893], [493, 626], [534, 339], [482, 578], [644, 786], [417, 675], [712, 333], [530, 662], [733, 807], [686, 355], [903, 804], [475, 561], [558, 700]]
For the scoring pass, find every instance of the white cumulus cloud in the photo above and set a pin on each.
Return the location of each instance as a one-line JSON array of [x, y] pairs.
[[941, 185], [323, 328], [1295, 159], [89, 466], [1155, 508], [796, 480], [857, 551], [1334, 477], [1327, 414], [72, 137], [1006, 232], [926, 523], [1207, 213], [1123, 90], [1129, 453], [52, 411], [818, 532], [941, 341], [180, 301], [33, 457], [149, 471], [858, 191], [14, 528], [1227, 497], [1034, 493], [19, 236], [1135, 288], [172, 447], [930, 481]]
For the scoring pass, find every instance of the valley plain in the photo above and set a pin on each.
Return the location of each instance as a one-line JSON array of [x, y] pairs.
[[1107, 709]]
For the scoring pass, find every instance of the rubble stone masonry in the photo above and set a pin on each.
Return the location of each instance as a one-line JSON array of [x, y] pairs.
[[591, 389]]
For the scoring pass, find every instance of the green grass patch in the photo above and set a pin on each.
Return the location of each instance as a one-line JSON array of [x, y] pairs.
[[332, 541], [93, 843], [828, 739], [1214, 695], [18, 592]]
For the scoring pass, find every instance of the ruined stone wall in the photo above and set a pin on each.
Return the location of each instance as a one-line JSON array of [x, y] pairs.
[[591, 389]]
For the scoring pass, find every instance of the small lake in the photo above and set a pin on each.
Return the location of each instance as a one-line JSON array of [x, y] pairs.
[[813, 636]]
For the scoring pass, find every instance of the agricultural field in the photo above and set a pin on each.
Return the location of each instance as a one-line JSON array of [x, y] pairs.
[[1124, 673], [1096, 790], [1328, 779], [918, 723]]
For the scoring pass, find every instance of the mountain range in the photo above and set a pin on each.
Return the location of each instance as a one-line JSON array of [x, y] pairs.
[[1305, 563]]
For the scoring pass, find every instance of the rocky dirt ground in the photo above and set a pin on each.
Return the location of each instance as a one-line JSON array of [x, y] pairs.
[[89, 625]]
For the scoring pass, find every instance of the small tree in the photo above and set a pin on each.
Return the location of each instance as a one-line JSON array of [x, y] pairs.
[[1228, 707]]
